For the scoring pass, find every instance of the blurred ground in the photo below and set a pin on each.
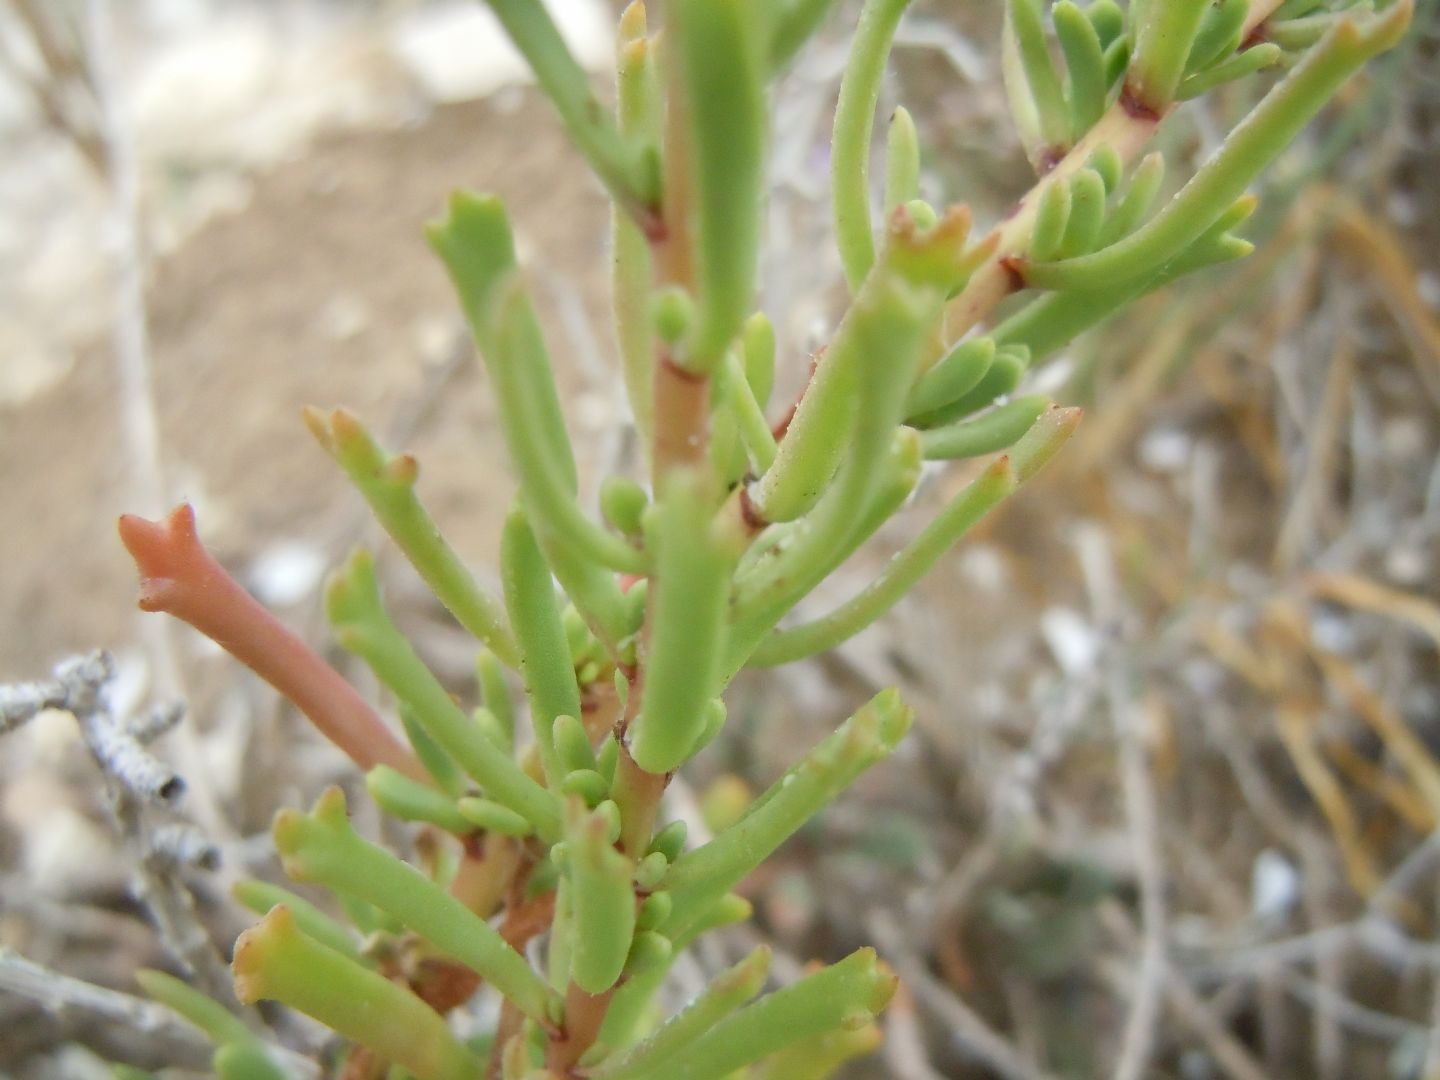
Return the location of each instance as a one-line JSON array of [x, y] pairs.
[[1179, 706]]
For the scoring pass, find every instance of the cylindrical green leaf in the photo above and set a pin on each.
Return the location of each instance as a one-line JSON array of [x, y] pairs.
[[720, 54], [261, 896], [1220, 34], [245, 1061], [492, 817], [1085, 64], [352, 600], [1237, 67], [1025, 26], [843, 995], [902, 160], [854, 125], [987, 433], [1087, 213], [638, 105], [1051, 218], [602, 901], [323, 847], [700, 877], [727, 992], [757, 344], [1001, 377], [1139, 196], [275, 961], [388, 485], [690, 590], [901, 573], [626, 167], [1163, 36], [545, 660], [495, 695], [960, 370], [1259, 139], [219, 1023], [402, 797]]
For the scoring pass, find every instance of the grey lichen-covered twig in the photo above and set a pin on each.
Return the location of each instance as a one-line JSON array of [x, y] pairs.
[[60, 993], [134, 778]]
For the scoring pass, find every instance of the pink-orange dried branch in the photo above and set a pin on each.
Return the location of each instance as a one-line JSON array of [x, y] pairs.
[[179, 577]]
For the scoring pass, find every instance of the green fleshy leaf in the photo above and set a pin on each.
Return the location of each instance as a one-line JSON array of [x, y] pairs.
[[215, 1020], [323, 847], [352, 602], [1164, 34], [602, 902], [719, 53], [628, 169], [638, 108], [701, 877], [727, 992], [960, 370], [689, 598], [1220, 34], [854, 126], [1251, 147], [403, 798], [1085, 64], [1237, 67], [545, 659], [902, 160], [261, 896], [245, 1061], [388, 486], [985, 434], [1051, 218], [275, 961], [1087, 213], [846, 995]]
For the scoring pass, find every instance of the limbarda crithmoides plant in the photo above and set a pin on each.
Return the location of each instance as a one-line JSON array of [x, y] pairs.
[[562, 888]]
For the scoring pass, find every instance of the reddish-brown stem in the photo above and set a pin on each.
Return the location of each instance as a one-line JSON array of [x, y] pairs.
[[484, 876], [682, 415], [179, 577], [637, 793], [584, 1013], [511, 1020]]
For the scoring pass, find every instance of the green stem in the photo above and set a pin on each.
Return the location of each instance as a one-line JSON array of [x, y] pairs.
[[275, 961], [323, 847]]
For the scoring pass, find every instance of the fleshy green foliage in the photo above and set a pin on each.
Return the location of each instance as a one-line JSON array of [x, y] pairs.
[[550, 872]]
